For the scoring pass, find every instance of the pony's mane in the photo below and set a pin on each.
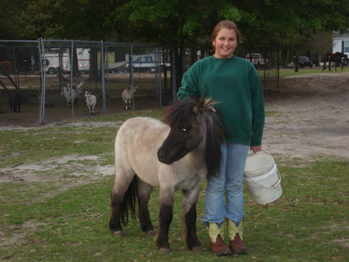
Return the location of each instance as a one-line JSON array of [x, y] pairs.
[[183, 112]]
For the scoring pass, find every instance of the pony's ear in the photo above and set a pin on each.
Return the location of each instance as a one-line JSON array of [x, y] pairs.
[[196, 109]]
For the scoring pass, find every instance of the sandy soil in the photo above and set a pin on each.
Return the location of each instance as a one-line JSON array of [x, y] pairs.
[[309, 116]]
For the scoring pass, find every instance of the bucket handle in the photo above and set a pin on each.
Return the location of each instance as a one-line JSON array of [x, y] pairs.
[[272, 186]]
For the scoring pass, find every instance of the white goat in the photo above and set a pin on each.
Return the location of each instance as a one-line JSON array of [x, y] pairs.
[[72, 94], [91, 101], [127, 95]]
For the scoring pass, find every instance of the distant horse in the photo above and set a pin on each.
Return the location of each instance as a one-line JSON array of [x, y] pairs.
[[176, 155], [338, 59]]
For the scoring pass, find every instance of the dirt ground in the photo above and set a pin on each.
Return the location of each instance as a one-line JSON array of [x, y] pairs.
[[309, 116]]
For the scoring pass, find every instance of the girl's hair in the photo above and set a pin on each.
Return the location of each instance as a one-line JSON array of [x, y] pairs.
[[228, 25]]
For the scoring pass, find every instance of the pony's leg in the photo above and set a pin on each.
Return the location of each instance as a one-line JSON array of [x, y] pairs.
[[114, 221], [121, 185], [190, 198], [165, 219], [144, 193]]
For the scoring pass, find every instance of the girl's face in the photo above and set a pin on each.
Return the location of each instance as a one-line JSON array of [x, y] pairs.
[[225, 43]]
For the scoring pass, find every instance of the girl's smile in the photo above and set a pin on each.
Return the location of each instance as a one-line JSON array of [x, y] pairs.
[[225, 43]]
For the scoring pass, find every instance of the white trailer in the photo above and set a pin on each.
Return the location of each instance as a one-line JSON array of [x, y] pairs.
[[51, 61]]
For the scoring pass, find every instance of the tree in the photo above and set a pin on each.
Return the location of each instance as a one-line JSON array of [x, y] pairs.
[[11, 13], [174, 22], [70, 19], [288, 23]]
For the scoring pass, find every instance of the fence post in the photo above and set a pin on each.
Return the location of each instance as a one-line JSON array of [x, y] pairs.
[[107, 67], [158, 67], [103, 79], [71, 77], [278, 68], [131, 76], [43, 83], [296, 63], [173, 75]]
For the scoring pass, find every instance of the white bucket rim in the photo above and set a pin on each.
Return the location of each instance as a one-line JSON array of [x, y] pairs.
[[258, 163]]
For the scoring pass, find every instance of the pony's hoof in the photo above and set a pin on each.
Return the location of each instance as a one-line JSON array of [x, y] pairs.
[[164, 251], [151, 233], [118, 233], [197, 249]]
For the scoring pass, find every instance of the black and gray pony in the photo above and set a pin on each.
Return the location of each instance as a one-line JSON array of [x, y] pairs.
[[175, 155]]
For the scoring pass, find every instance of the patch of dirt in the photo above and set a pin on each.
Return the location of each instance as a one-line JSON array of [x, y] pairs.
[[308, 117], [55, 169]]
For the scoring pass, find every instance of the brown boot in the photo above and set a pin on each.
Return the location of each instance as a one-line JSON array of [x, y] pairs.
[[237, 246], [217, 245], [235, 237]]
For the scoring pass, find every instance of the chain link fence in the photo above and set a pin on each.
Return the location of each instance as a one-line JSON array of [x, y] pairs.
[[20, 81], [45, 81], [266, 59]]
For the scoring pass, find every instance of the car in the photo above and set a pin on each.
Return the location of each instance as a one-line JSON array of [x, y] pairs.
[[51, 70], [146, 63], [304, 61], [257, 59]]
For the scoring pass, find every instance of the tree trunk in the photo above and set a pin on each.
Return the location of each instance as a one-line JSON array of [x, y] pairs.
[[284, 57], [76, 72], [93, 66], [179, 54]]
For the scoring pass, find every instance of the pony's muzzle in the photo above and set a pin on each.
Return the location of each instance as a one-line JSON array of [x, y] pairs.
[[162, 157]]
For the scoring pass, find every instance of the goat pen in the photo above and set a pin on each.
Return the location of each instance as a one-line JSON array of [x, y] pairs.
[[34, 76]]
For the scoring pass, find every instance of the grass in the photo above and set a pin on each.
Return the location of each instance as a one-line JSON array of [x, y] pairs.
[[17, 146], [308, 223], [64, 217]]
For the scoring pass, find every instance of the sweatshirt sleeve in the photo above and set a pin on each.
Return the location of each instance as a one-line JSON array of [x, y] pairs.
[[189, 85], [258, 113]]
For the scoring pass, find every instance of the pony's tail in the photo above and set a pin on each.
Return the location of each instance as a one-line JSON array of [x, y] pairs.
[[128, 204]]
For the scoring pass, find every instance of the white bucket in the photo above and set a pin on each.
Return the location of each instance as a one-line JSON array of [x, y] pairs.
[[262, 178]]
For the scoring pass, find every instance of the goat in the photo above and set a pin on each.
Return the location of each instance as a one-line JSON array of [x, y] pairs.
[[72, 94], [91, 101], [16, 101], [127, 95]]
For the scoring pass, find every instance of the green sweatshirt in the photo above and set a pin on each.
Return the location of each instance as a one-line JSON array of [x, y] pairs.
[[235, 83]]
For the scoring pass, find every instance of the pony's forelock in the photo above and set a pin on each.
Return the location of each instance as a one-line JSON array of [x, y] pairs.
[[183, 112]]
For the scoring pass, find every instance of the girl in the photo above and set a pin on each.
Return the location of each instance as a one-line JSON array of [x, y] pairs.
[[236, 85]]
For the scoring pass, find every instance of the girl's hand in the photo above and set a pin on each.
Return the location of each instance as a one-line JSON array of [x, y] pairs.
[[256, 149]]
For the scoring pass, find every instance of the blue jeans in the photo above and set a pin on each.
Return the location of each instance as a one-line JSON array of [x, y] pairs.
[[230, 182]]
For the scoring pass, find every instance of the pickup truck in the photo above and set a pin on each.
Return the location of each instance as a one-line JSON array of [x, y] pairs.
[[257, 59], [145, 63]]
